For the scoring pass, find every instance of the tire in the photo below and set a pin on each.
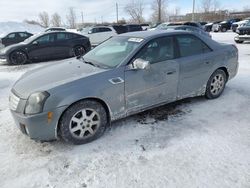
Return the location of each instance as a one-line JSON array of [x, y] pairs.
[[224, 29], [238, 41], [216, 84], [79, 51], [18, 58], [83, 122]]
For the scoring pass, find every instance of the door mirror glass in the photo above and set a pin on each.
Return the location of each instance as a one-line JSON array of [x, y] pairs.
[[140, 64]]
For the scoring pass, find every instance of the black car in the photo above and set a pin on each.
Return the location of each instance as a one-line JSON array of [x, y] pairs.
[[133, 27], [208, 27], [46, 46], [15, 37], [226, 25], [243, 34]]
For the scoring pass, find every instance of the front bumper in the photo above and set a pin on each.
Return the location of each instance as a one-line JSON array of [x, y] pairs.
[[38, 126], [3, 59]]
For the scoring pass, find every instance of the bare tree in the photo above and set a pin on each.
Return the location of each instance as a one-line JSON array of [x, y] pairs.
[[44, 19], [159, 11], [56, 20], [71, 18], [135, 9], [206, 5]]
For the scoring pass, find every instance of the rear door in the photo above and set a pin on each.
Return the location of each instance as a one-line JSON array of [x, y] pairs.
[[195, 65], [62, 47], [158, 84]]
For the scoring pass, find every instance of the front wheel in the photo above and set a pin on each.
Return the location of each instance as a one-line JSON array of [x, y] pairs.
[[18, 58], [83, 122], [216, 84]]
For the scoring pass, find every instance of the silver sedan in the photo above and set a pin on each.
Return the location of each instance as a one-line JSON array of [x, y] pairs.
[[76, 99]]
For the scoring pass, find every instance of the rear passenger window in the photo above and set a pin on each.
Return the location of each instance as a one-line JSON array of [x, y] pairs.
[[61, 36], [104, 29], [190, 45], [23, 35]]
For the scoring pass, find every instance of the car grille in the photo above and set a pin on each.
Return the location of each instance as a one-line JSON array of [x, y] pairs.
[[13, 101]]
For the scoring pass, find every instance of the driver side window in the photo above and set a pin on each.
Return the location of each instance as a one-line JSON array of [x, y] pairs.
[[46, 39], [158, 50]]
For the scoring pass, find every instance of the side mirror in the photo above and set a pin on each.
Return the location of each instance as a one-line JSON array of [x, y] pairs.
[[35, 43], [90, 32], [140, 64]]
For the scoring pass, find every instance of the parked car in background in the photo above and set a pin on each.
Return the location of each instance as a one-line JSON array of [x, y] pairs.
[[189, 28], [194, 24], [99, 34], [14, 38], [224, 26], [145, 27], [243, 33], [208, 27], [203, 24], [127, 74], [236, 25], [133, 27], [46, 46], [55, 29], [165, 25]]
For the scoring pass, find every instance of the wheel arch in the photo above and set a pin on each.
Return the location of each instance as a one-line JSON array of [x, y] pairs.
[[102, 102], [225, 70]]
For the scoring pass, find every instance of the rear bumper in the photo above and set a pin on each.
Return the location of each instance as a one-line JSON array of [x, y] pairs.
[[38, 127], [242, 38]]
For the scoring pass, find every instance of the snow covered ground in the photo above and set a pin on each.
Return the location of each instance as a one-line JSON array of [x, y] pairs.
[[193, 143]]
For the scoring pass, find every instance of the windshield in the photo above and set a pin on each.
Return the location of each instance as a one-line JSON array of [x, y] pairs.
[[248, 24], [113, 52], [28, 40]]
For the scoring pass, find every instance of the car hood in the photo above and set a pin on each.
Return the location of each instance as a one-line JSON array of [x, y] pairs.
[[12, 47], [244, 28], [51, 76]]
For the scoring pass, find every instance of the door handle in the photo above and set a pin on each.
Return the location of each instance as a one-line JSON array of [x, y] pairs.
[[171, 72], [207, 62]]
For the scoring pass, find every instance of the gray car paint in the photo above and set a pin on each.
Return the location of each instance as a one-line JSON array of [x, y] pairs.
[[138, 90]]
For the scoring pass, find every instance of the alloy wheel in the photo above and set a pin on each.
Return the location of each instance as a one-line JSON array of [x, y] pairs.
[[84, 123]]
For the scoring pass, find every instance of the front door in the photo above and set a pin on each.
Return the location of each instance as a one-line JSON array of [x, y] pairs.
[[43, 48], [158, 84]]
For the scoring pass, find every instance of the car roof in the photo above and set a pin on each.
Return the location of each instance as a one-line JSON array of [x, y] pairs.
[[152, 34]]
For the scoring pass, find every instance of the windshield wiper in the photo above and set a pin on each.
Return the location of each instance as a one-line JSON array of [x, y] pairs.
[[88, 62]]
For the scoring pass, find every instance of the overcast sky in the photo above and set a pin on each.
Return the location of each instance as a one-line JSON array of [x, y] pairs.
[[18, 10]]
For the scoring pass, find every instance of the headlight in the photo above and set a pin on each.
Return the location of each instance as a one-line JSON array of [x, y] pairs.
[[35, 102]]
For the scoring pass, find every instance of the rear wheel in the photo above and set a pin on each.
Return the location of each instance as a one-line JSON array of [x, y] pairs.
[[18, 58], [79, 51], [83, 122], [238, 41], [216, 84]]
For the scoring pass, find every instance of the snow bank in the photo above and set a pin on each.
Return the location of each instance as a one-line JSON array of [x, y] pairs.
[[7, 27]]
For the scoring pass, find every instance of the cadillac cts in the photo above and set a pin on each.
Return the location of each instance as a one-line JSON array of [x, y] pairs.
[[77, 99]]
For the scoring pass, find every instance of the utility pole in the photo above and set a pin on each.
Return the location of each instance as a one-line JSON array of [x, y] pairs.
[[82, 17], [193, 17], [117, 19], [159, 11]]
